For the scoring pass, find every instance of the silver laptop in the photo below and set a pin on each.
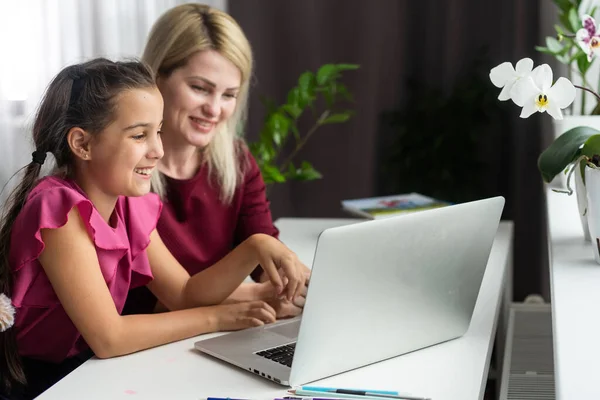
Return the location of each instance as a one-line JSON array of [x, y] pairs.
[[378, 289]]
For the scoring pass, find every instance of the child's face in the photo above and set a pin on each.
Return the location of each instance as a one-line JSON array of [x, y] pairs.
[[125, 153], [198, 97]]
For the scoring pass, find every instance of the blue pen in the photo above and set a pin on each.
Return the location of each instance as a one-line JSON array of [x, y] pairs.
[[222, 398], [337, 390]]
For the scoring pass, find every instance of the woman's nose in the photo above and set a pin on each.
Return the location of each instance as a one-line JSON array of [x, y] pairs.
[[211, 107]]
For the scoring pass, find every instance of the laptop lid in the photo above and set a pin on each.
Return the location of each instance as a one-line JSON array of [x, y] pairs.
[[387, 287]]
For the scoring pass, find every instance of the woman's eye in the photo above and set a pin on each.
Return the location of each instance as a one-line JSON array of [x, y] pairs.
[[199, 89], [139, 137], [230, 95]]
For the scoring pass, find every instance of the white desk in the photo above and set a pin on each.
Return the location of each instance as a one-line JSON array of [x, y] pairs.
[[575, 291], [455, 370]]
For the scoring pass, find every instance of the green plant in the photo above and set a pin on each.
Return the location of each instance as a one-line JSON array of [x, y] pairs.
[[570, 50], [570, 149], [318, 92]]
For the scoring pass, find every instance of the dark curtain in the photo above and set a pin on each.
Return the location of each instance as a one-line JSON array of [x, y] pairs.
[[427, 41]]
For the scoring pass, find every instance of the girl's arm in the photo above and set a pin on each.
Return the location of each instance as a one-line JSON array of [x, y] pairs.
[[70, 262]]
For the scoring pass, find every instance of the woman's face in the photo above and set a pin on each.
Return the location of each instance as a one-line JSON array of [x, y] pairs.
[[198, 97]]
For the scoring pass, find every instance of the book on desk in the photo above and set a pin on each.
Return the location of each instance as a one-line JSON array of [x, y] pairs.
[[390, 206]]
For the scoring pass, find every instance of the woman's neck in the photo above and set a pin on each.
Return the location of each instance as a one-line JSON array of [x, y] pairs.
[[181, 160]]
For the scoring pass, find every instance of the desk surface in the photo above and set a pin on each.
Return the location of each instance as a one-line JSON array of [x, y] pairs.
[[453, 370], [575, 290]]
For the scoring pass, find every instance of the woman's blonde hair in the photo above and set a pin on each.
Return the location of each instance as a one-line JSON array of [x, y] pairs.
[[178, 34]]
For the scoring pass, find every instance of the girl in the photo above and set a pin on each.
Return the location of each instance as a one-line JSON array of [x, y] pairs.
[[75, 242], [213, 190]]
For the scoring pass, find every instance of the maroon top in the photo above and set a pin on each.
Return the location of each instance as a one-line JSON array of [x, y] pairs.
[[199, 229]]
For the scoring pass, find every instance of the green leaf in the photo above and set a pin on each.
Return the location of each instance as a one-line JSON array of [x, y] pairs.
[[337, 118], [307, 173], [559, 30], [292, 109], [271, 174], [563, 4], [325, 73], [346, 67], [544, 50], [293, 97], [295, 131], [553, 45], [582, 63], [563, 58], [278, 124], [564, 19], [344, 93], [574, 20], [306, 84], [291, 172], [563, 151], [591, 146]]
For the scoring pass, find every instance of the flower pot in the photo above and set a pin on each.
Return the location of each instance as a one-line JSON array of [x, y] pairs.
[[561, 126], [582, 202], [592, 183]]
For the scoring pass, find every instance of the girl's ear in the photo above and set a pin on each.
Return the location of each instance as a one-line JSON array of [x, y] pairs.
[[79, 142]]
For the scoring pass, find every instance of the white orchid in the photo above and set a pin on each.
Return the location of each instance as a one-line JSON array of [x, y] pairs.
[[588, 38], [533, 91], [536, 93], [505, 76]]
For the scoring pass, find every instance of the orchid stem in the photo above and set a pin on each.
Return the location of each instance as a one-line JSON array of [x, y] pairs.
[[588, 90]]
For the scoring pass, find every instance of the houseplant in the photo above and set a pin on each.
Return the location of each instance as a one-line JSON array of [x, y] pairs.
[[577, 41], [320, 93], [534, 90]]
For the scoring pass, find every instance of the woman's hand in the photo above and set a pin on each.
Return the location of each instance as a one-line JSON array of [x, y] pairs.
[[283, 307], [232, 317], [274, 256]]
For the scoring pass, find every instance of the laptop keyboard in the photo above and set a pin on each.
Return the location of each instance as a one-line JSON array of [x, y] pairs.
[[281, 354]]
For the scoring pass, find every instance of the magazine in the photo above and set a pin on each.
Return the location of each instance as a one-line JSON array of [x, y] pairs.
[[390, 206]]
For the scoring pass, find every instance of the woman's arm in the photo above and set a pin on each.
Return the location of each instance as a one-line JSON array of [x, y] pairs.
[[71, 264], [173, 286]]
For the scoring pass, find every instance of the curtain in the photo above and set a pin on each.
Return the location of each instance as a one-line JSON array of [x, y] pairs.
[[430, 42], [40, 37]]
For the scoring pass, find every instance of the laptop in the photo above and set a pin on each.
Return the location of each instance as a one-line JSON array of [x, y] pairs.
[[379, 289]]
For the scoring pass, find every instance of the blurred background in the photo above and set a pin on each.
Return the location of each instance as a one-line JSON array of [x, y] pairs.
[[426, 116]]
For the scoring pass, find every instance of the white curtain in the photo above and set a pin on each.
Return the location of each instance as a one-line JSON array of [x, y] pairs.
[[40, 37]]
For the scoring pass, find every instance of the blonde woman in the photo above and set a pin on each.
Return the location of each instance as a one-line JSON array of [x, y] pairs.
[[212, 188]]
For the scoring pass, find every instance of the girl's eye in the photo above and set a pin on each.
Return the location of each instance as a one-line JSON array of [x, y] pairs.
[[230, 95], [139, 137]]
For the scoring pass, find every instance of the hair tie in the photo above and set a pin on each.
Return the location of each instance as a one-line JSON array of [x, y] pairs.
[[38, 157], [7, 313], [77, 74]]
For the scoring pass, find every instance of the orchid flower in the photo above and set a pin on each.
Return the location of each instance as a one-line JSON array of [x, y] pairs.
[[505, 76], [536, 93], [588, 38]]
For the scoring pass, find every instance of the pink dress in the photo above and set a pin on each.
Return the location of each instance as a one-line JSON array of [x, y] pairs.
[[44, 330]]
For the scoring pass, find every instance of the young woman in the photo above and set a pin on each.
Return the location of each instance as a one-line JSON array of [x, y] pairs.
[[76, 241], [213, 190]]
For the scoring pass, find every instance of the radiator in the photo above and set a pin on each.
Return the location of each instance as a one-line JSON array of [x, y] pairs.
[[528, 366]]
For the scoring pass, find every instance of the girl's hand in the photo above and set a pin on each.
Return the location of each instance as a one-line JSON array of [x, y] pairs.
[[273, 256], [236, 316]]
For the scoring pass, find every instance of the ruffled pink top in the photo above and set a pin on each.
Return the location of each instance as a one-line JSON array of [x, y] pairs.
[[44, 330]]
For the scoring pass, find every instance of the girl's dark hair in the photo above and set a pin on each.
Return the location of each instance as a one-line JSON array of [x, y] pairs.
[[84, 96]]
